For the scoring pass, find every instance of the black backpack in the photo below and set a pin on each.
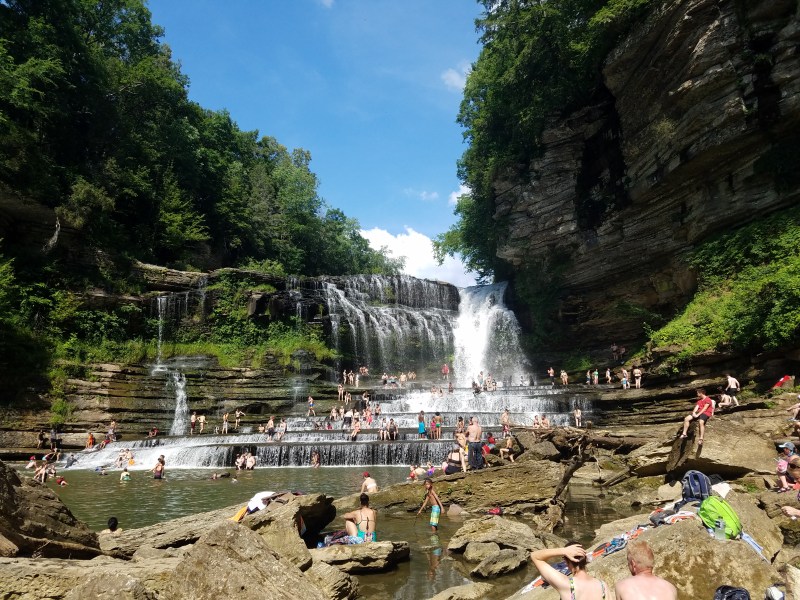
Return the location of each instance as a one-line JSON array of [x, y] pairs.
[[726, 592]]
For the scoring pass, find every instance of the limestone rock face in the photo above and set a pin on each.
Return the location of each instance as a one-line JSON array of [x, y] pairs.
[[698, 95], [500, 563], [729, 449], [231, 561], [368, 557], [110, 586], [33, 520]]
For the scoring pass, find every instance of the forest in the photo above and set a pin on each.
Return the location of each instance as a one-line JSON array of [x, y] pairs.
[[97, 126]]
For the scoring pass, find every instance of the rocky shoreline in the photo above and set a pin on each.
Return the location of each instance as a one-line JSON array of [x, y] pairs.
[[47, 553]]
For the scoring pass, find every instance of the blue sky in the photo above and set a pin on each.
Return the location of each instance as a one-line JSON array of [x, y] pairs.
[[370, 87]]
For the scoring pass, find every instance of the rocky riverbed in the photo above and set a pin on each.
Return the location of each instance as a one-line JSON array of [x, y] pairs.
[[48, 553]]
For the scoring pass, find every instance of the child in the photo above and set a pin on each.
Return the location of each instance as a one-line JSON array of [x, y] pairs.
[[436, 504]]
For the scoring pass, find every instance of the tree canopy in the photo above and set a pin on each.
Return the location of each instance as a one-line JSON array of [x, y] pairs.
[[95, 122]]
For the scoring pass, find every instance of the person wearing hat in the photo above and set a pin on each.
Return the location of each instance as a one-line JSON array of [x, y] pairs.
[[788, 467], [369, 485]]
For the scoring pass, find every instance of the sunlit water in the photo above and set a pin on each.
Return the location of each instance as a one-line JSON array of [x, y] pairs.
[[145, 501]]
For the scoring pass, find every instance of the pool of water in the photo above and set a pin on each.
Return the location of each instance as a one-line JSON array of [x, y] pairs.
[[144, 501]]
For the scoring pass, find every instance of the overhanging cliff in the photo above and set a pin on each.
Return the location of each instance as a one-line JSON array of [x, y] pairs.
[[695, 132]]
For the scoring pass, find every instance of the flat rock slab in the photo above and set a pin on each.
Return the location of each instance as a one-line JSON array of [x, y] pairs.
[[369, 557]]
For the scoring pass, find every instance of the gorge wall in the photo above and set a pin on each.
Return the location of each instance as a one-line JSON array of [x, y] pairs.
[[693, 134]]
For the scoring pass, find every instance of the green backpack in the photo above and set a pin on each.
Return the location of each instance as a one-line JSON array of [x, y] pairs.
[[714, 508]]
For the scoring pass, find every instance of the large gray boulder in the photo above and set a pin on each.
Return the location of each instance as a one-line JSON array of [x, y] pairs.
[[475, 552], [501, 531], [369, 557], [231, 561], [500, 563], [334, 582], [34, 521], [469, 591], [730, 449]]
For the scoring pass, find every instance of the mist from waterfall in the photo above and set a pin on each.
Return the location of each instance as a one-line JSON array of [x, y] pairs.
[[180, 422]]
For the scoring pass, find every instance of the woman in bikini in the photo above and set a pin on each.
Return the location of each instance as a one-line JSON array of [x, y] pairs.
[[578, 585], [361, 524]]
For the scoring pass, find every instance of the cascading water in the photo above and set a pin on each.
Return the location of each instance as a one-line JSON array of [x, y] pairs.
[[395, 323], [161, 303], [487, 338], [180, 422]]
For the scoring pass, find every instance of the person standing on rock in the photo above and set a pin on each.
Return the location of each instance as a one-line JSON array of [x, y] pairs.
[[474, 433], [564, 378], [643, 585], [608, 376], [225, 423], [732, 388], [577, 414], [311, 412], [578, 584], [202, 420], [703, 411], [505, 419], [192, 423], [551, 373], [432, 498], [238, 415], [637, 377]]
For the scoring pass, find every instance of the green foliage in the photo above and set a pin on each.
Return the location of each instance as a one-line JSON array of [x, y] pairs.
[[749, 296], [60, 412]]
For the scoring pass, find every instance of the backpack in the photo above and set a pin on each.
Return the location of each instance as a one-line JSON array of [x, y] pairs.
[[726, 592], [714, 508], [696, 486]]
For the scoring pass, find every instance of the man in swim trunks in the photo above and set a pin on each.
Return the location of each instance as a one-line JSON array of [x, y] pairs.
[[361, 524], [436, 505]]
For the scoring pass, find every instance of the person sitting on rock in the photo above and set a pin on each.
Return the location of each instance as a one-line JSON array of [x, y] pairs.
[[643, 584], [794, 409], [578, 584], [507, 451], [113, 526], [703, 411], [361, 524], [788, 467], [369, 484], [456, 460]]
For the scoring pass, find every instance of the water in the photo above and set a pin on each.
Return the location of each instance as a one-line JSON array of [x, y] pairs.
[[431, 569], [487, 339], [180, 423]]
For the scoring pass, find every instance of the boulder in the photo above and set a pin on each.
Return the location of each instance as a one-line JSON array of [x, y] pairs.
[[231, 561], [771, 503], [475, 552], [316, 510], [111, 586], [34, 521], [756, 523], [500, 563], [534, 449], [503, 532], [470, 591], [792, 582], [171, 534], [368, 557], [527, 488], [730, 449], [56, 578], [337, 584]]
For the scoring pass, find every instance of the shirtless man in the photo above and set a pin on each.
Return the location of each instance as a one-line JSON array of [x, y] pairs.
[[369, 484], [504, 421], [474, 433], [733, 388], [238, 416], [552, 375], [202, 420], [192, 423], [643, 585], [361, 523]]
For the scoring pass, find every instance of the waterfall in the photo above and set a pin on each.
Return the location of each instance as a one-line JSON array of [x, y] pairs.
[[487, 338], [162, 305], [397, 323], [181, 420]]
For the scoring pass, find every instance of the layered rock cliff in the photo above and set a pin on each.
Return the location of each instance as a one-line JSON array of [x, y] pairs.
[[691, 136]]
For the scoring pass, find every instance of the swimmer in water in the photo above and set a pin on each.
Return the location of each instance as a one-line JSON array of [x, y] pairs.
[[125, 475]]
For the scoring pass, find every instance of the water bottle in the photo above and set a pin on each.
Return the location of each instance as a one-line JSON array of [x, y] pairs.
[[719, 529]]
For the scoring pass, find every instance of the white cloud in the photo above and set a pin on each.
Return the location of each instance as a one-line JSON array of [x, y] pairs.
[[423, 195], [456, 79], [326, 3], [462, 190], [417, 249]]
